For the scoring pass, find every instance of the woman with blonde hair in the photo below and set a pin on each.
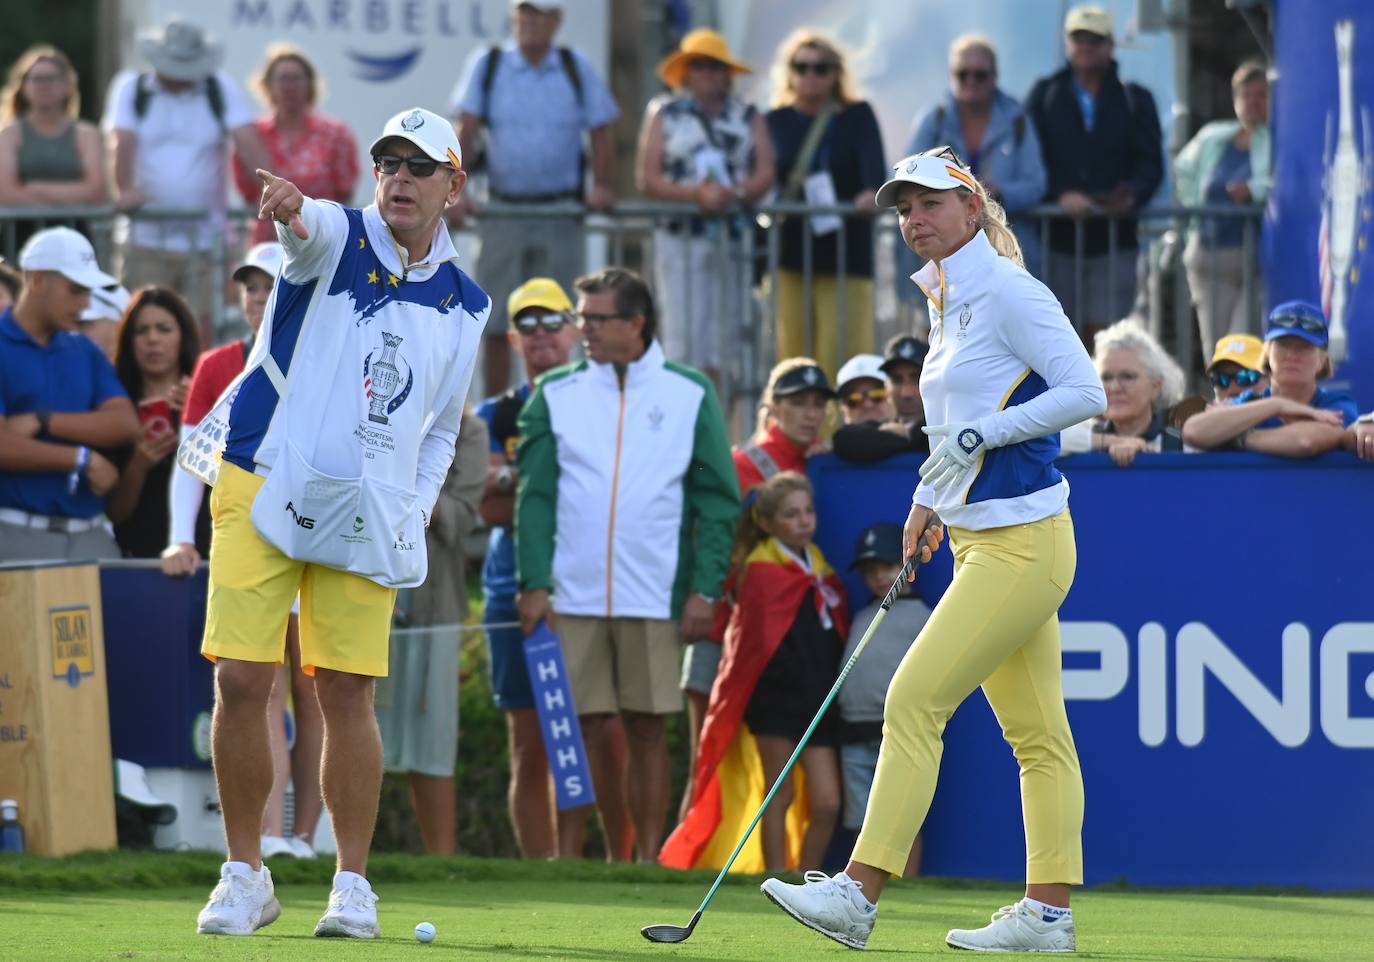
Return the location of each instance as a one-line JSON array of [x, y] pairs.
[[792, 413], [49, 157], [828, 152], [316, 153], [1005, 374]]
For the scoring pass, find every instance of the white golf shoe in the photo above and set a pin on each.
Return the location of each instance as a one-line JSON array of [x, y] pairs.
[[300, 847], [352, 911], [1017, 928], [832, 905], [243, 902], [273, 845]]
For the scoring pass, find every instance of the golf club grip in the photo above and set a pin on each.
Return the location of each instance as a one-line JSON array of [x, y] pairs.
[[912, 563]]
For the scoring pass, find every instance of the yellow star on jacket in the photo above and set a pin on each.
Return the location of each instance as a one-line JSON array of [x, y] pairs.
[[393, 280], [372, 277]]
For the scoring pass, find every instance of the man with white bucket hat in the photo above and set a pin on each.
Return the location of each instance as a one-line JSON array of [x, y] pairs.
[[326, 456]]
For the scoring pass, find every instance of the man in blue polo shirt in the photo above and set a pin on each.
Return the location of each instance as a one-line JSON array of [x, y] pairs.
[[533, 100], [59, 400]]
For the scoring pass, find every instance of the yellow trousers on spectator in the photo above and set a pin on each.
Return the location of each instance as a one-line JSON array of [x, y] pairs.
[[997, 626], [824, 318]]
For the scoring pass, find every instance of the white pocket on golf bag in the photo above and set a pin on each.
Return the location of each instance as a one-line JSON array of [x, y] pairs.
[[360, 524], [200, 451]]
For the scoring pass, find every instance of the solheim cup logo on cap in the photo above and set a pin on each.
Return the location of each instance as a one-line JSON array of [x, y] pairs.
[[912, 165], [383, 376], [969, 440], [412, 121]]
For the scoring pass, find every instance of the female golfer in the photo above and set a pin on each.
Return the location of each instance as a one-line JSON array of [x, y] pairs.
[[1005, 374]]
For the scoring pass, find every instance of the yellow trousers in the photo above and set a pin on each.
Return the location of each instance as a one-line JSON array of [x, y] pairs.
[[824, 319], [997, 626]]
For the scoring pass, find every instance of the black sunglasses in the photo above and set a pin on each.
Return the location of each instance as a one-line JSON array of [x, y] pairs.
[[946, 153], [1309, 324], [529, 323], [802, 68], [421, 167], [1245, 377], [978, 76]]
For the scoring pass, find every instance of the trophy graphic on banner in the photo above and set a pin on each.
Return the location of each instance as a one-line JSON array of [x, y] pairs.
[[383, 379], [1344, 187]]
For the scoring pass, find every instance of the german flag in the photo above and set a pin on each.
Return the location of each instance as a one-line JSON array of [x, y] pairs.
[[728, 785]]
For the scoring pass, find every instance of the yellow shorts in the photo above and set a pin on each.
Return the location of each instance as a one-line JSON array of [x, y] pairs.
[[345, 618]]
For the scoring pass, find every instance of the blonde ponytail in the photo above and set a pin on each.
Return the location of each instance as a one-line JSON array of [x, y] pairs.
[[993, 222]]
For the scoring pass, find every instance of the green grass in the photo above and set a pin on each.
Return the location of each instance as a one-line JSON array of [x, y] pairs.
[[143, 907]]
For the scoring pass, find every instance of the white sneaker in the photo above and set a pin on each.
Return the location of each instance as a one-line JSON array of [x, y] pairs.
[[300, 847], [274, 845], [243, 902], [826, 904], [352, 911], [1017, 928]]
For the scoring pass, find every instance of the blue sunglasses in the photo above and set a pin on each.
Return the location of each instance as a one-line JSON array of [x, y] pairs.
[[1244, 377]]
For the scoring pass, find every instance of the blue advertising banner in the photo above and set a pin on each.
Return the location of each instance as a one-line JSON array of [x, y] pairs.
[[1219, 671], [572, 779], [1319, 228]]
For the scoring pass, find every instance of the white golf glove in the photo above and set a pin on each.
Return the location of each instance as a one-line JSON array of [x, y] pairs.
[[953, 458]]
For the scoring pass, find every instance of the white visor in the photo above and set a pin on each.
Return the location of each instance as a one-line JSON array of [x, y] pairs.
[[927, 170]]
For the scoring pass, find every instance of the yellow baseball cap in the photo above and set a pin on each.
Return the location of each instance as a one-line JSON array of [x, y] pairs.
[[1242, 349], [538, 292], [1089, 20]]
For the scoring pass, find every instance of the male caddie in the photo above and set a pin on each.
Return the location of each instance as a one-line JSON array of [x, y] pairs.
[[336, 439]]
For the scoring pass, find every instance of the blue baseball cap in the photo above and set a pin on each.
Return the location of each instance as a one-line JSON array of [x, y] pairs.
[[879, 542], [1297, 319]]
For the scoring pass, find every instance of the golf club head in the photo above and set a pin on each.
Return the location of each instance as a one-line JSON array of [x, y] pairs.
[[670, 933]]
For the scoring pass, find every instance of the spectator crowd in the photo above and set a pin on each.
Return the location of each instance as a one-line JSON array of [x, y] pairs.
[[596, 488]]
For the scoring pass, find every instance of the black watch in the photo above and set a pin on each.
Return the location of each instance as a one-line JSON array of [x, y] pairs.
[[44, 416]]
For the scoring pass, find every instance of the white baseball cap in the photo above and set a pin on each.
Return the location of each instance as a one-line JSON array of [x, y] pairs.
[[427, 130], [266, 257], [67, 252], [107, 304], [931, 168], [859, 366]]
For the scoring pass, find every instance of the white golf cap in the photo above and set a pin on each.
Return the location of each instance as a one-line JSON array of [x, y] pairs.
[[107, 304], [426, 130], [860, 366], [931, 168], [63, 250], [266, 257]]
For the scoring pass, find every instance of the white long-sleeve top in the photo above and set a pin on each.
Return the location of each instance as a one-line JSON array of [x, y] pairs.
[[378, 355], [1004, 356]]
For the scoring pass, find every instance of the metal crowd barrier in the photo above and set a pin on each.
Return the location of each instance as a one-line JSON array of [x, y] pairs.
[[748, 248]]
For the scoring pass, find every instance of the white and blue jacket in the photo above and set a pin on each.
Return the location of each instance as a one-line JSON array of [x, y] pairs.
[[377, 355], [1002, 355]]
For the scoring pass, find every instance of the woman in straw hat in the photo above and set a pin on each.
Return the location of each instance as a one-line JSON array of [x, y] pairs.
[[703, 146]]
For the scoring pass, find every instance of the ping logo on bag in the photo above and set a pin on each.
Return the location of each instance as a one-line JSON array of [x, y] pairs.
[[300, 519]]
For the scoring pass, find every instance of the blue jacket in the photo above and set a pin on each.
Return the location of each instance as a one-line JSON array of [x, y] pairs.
[[1010, 156], [1124, 147]]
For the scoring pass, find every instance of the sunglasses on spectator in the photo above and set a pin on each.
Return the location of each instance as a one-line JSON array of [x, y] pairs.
[[706, 63], [1087, 38], [972, 76], [1244, 377], [802, 67], [873, 395], [1309, 324], [529, 323], [418, 166], [1125, 378]]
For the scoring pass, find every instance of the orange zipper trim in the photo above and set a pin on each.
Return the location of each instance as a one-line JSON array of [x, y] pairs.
[[615, 487]]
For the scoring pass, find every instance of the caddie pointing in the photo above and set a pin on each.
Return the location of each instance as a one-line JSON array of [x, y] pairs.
[[326, 457]]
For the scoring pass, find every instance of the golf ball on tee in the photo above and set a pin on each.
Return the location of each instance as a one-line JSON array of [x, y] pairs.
[[424, 932]]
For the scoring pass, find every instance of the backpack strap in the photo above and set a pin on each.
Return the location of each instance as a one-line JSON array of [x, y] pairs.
[[570, 68], [1018, 129], [142, 91], [215, 94], [489, 78], [762, 460]]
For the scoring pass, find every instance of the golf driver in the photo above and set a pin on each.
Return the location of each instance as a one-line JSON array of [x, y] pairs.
[[680, 933]]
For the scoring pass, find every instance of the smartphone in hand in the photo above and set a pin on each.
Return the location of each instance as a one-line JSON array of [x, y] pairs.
[[156, 417]]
